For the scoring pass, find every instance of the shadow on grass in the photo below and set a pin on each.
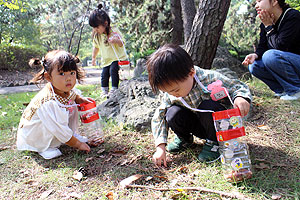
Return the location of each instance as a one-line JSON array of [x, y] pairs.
[[274, 170]]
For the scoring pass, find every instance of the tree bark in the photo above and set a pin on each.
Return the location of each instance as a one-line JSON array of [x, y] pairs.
[[177, 32], [206, 31], [188, 9]]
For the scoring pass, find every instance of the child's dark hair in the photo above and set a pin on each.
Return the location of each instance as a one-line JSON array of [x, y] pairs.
[[62, 59], [170, 63], [99, 17]]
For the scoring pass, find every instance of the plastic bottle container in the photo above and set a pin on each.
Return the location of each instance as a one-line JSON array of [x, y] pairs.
[[235, 160], [91, 120], [234, 153]]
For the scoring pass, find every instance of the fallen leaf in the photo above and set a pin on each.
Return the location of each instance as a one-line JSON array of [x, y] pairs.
[[4, 148], [149, 178], [89, 159], [129, 180], [262, 166], [77, 175], [276, 196], [118, 153], [100, 151], [108, 159], [263, 127], [161, 177], [46, 193], [110, 196], [183, 169], [32, 182]]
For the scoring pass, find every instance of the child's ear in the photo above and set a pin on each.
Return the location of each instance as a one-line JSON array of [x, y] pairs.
[[47, 76]]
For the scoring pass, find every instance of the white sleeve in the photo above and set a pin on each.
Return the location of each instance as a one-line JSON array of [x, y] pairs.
[[55, 120]]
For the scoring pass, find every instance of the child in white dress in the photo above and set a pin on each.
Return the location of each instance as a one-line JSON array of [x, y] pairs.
[[51, 118]]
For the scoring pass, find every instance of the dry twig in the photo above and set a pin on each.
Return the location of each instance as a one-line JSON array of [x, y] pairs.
[[201, 189]]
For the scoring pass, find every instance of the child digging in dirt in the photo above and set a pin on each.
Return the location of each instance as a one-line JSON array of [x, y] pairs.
[[171, 71], [51, 118]]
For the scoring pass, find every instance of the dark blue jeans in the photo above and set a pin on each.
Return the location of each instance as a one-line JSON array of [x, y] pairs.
[[184, 122], [112, 71], [280, 70]]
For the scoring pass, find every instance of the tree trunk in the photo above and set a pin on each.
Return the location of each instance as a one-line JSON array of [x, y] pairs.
[[206, 31], [177, 32], [188, 15]]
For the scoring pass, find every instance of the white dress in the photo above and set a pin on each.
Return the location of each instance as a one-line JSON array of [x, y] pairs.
[[48, 121]]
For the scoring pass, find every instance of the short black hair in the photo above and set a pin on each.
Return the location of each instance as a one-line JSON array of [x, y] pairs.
[[170, 63]]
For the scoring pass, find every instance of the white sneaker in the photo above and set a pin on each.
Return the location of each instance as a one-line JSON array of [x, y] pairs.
[[291, 97], [81, 138], [50, 153], [279, 94]]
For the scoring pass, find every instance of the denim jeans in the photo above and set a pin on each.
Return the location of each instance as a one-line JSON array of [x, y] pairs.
[[279, 70], [184, 122], [112, 71]]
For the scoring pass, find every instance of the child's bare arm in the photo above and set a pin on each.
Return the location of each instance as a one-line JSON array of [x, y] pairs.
[[74, 142]]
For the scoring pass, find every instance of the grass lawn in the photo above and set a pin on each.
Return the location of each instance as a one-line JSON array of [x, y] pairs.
[[273, 137]]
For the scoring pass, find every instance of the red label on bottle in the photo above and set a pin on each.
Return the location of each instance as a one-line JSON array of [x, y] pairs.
[[230, 134], [89, 117], [228, 124]]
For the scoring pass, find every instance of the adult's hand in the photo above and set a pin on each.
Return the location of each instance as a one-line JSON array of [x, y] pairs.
[[266, 18], [160, 155], [249, 59]]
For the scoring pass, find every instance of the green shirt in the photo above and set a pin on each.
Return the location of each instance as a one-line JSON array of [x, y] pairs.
[[106, 51], [194, 99]]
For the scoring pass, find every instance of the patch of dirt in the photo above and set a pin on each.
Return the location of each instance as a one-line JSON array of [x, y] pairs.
[[15, 78]]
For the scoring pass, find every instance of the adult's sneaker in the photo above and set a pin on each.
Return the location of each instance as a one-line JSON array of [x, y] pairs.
[[292, 97]]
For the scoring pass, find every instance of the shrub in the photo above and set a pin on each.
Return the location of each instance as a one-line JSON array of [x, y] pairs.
[[17, 57]]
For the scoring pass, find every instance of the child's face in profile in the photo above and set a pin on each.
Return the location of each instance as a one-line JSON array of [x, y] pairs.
[[63, 82], [180, 89], [101, 28]]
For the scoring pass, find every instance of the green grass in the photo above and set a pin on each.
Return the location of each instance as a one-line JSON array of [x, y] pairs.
[[275, 151]]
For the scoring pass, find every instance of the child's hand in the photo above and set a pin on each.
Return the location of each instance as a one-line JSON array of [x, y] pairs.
[[74, 142], [80, 100], [242, 104], [160, 155], [84, 147]]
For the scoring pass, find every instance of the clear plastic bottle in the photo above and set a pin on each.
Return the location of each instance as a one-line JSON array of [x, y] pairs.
[[91, 120], [235, 159], [234, 153]]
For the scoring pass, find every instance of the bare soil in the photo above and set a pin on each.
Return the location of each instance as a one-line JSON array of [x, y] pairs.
[[15, 78]]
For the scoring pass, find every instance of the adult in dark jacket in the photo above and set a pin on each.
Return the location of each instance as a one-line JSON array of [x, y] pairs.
[[277, 59]]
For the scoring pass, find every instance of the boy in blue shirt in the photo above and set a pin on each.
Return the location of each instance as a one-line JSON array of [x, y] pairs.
[[171, 71]]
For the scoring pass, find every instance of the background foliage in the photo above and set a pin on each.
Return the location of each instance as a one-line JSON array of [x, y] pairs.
[[40, 25]]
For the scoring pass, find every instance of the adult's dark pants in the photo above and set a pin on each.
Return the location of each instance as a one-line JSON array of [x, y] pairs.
[[112, 71], [184, 122]]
